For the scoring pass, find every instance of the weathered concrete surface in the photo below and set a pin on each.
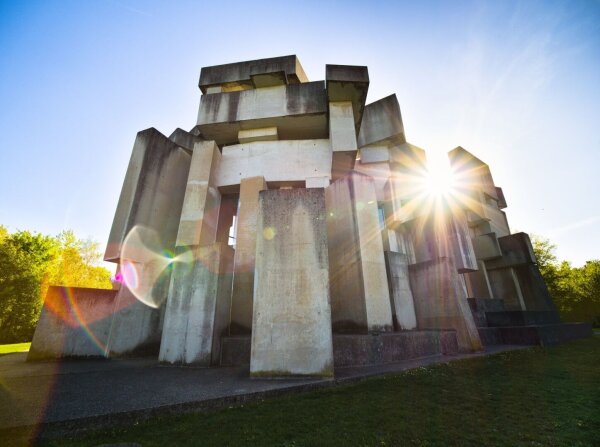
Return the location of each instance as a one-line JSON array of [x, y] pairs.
[[238, 75], [152, 197], [441, 301], [516, 251], [75, 321], [198, 308], [245, 255], [505, 286], [359, 292], [262, 134], [356, 350], [342, 137], [299, 111], [276, 161], [479, 307], [403, 307], [535, 292], [478, 283], [200, 210], [291, 332], [363, 349], [348, 83], [152, 193], [382, 121], [486, 246]]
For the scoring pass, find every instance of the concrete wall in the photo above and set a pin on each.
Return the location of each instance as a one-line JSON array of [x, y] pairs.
[[276, 161], [381, 121], [403, 307], [291, 332], [245, 255], [359, 291], [74, 322], [441, 301], [198, 308], [152, 196]]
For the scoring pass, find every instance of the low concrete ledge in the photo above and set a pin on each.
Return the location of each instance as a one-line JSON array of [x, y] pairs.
[[521, 318], [535, 335], [362, 349]]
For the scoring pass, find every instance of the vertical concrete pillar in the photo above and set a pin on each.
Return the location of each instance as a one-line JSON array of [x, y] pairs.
[[441, 302], [191, 325], [244, 258], [152, 197], [342, 134], [359, 290], [291, 332], [403, 307]]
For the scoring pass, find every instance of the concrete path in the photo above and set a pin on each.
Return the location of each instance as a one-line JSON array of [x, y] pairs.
[[72, 395]]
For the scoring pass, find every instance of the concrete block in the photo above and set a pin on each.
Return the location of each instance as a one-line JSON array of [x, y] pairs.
[[505, 286], [348, 83], [74, 322], [291, 333], [478, 283], [200, 210], [486, 246], [533, 287], [242, 72], [359, 291], [382, 121], [299, 111], [317, 182], [403, 308], [262, 134], [245, 255], [441, 301], [152, 193], [341, 127], [276, 161], [374, 154], [516, 250], [197, 312]]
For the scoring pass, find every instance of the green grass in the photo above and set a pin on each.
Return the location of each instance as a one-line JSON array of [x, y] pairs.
[[533, 397], [16, 347]]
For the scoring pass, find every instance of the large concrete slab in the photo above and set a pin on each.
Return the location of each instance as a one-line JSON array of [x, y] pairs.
[[245, 255], [403, 306], [441, 301], [291, 330], [359, 290], [74, 322]]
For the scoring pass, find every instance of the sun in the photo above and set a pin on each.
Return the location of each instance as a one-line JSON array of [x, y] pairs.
[[439, 180]]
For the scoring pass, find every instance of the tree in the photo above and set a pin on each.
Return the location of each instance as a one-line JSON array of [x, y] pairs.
[[575, 290], [24, 262], [29, 263]]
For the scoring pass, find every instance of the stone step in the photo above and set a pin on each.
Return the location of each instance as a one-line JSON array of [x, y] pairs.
[[520, 318], [479, 306], [362, 349], [542, 335]]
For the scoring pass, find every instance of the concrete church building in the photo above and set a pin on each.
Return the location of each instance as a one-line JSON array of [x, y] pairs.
[[291, 230]]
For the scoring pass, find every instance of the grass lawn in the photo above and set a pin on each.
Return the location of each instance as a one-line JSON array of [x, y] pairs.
[[534, 397], [16, 347]]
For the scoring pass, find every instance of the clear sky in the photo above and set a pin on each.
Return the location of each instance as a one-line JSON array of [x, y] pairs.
[[515, 83]]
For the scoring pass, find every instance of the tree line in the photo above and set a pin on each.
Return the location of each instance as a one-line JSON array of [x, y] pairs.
[[574, 290], [29, 264]]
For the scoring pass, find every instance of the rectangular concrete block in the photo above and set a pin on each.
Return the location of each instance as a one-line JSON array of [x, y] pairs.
[[197, 312], [359, 289], [74, 322], [486, 246], [291, 333], [152, 193], [403, 307], [245, 255], [441, 301], [262, 134], [200, 210]]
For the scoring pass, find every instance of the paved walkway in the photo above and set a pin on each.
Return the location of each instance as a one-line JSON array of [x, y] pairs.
[[77, 394]]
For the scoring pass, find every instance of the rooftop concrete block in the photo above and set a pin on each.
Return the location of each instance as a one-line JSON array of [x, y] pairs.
[[382, 121], [471, 173], [348, 83], [247, 74], [298, 111]]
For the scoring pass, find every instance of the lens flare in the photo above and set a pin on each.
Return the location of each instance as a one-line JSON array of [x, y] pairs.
[[146, 265]]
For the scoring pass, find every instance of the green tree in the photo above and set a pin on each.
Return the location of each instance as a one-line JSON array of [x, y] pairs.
[[575, 290], [29, 263], [24, 262]]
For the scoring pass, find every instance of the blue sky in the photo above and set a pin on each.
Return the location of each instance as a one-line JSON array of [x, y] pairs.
[[516, 83]]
